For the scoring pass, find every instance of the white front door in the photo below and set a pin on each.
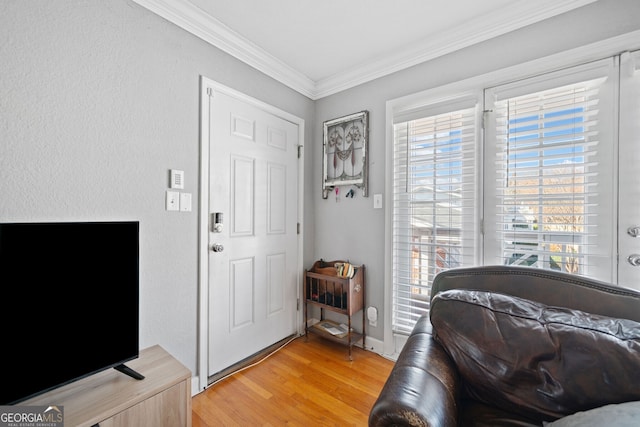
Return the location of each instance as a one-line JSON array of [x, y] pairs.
[[253, 258], [629, 176]]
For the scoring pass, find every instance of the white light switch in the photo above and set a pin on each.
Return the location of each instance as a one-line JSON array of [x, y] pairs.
[[185, 202], [173, 201], [377, 201]]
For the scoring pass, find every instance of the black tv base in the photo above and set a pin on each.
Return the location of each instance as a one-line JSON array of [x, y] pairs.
[[128, 371]]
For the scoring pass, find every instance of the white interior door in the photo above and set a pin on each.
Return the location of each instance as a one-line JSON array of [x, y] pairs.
[[629, 172], [253, 183]]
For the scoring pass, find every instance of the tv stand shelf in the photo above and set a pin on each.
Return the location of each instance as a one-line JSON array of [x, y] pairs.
[[110, 398], [344, 295]]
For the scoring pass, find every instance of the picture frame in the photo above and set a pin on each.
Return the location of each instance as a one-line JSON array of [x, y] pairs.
[[345, 145]]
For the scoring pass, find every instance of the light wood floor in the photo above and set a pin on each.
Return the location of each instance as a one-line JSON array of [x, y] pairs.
[[306, 383]]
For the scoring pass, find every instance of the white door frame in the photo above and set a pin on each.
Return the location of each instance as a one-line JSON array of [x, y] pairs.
[[206, 86]]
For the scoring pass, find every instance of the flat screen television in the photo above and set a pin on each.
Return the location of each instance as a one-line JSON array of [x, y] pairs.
[[70, 303]]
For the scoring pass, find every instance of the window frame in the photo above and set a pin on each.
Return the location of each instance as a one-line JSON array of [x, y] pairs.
[[600, 249], [464, 167]]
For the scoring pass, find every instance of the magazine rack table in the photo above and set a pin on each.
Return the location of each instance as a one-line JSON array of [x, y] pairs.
[[323, 288]]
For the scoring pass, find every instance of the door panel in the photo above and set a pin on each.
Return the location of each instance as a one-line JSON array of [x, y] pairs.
[[629, 178], [242, 196], [253, 182]]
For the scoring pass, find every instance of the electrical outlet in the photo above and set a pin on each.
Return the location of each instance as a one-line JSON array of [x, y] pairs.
[[372, 316]]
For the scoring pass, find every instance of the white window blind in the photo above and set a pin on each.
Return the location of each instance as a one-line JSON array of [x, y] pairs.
[[434, 204], [551, 149]]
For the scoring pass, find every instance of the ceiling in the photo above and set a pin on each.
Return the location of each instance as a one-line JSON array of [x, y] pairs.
[[320, 47]]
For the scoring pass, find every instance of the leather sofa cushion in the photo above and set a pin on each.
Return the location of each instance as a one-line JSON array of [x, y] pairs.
[[539, 361]]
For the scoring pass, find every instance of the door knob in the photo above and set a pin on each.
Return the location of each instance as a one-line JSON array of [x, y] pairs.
[[633, 231], [634, 259], [216, 247]]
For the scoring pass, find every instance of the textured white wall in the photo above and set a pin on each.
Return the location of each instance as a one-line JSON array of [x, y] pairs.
[[98, 100]]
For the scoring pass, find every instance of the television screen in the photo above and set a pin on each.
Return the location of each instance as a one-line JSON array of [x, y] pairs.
[[70, 302]]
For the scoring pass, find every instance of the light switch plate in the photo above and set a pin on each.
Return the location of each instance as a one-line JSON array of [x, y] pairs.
[[185, 202], [173, 201], [377, 201]]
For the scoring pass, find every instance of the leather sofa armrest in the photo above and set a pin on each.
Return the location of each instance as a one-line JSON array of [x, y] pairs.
[[423, 386]]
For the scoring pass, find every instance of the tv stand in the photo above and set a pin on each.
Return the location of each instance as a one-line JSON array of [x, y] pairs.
[[110, 399], [128, 371]]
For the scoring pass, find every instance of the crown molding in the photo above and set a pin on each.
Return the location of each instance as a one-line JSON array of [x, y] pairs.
[[463, 36], [192, 19]]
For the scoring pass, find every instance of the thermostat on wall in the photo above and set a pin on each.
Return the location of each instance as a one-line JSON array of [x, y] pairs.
[[177, 179]]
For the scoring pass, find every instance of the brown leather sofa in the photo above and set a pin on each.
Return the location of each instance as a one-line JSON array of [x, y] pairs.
[[515, 346]]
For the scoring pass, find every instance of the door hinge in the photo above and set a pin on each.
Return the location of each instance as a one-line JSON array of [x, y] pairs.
[[298, 304], [298, 228], [299, 151], [210, 91]]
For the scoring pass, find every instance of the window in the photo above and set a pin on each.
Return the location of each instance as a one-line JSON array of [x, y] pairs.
[[549, 144], [434, 199], [522, 178], [547, 173]]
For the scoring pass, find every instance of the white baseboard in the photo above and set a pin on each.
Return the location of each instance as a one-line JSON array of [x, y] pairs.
[[195, 386], [374, 345]]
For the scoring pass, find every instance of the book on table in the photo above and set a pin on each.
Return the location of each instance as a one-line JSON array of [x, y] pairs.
[[335, 329]]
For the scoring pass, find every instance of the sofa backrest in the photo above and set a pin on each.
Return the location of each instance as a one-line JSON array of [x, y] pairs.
[[552, 288], [538, 361]]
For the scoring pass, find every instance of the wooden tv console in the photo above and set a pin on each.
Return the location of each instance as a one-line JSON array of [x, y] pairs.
[[112, 399]]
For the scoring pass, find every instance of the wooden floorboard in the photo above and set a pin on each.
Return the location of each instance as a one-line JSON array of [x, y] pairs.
[[308, 382]]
